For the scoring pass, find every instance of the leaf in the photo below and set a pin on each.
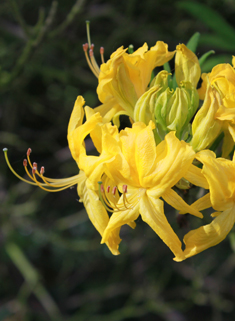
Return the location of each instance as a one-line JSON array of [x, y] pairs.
[[210, 18], [193, 42]]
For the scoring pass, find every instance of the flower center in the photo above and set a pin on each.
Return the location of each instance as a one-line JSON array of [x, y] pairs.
[[113, 201]]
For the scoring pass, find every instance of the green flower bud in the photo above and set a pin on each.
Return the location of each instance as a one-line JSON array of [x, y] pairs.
[[174, 109]]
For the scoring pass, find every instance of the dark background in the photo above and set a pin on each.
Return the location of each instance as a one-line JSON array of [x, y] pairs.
[[52, 266]]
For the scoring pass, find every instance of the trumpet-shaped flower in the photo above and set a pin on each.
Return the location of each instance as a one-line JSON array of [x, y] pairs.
[[172, 109], [220, 175], [125, 77], [144, 172], [218, 110]]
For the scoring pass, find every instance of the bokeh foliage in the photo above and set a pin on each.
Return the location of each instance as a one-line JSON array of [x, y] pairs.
[[52, 266]]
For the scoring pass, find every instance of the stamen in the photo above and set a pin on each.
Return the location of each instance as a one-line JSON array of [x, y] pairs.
[[114, 190], [35, 165], [124, 188], [110, 203], [85, 48], [93, 61], [102, 54], [29, 151], [88, 33], [58, 184]]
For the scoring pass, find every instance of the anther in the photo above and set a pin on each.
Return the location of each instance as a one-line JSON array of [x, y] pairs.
[[102, 188], [92, 46], [124, 188], [108, 189], [34, 170], [114, 190], [25, 162], [29, 151], [101, 50], [42, 170], [85, 47], [35, 165], [91, 53]]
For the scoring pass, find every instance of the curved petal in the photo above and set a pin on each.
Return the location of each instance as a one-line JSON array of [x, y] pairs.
[[209, 235], [187, 66], [172, 162], [172, 198], [202, 203], [194, 175], [118, 219], [220, 174], [152, 213], [95, 210]]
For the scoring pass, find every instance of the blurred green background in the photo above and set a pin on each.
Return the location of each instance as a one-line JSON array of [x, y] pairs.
[[52, 266]]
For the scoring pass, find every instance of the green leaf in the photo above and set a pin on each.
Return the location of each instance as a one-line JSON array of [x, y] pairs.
[[193, 42], [210, 18], [216, 41], [205, 56], [213, 61]]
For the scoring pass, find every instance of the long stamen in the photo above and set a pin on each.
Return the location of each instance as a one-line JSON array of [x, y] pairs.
[[58, 184], [93, 61], [85, 49], [88, 33], [102, 54]]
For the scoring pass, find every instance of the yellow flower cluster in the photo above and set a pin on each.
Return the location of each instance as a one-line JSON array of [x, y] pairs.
[[138, 167]]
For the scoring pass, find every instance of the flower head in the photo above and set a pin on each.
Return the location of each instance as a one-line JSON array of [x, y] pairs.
[[148, 172]]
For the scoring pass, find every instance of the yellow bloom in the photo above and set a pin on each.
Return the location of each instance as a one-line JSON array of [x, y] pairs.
[[220, 174], [125, 77], [144, 172], [172, 109], [218, 90]]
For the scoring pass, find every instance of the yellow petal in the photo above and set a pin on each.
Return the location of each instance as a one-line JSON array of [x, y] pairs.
[[172, 198], [202, 203], [77, 115], [194, 175], [172, 162], [95, 210], [152, 213], [228, 142], [205, 127], [187, 66], [77, 131], [209, 235], [220, 174], [118, 219]]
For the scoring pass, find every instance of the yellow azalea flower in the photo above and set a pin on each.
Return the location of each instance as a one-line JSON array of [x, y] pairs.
[[220, 83], [91, 168], [172, 109], [144, 172], [220, 175], [125, 77]]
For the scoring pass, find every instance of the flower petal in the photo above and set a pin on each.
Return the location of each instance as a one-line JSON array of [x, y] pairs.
[[152, 213], [209, 235], [118, 219], [172, 198], [95, 210], [194, 175]]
